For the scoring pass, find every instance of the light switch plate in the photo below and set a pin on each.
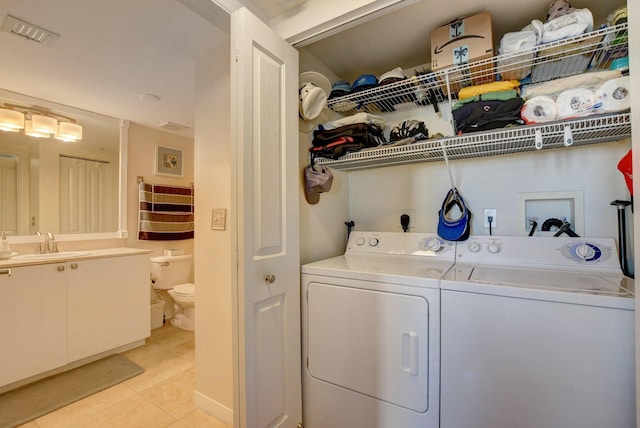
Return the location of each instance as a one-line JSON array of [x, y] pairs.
[[218, 218]]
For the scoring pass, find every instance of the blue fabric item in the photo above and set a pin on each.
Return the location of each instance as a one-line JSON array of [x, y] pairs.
[[454, 229], [364, 81], [340, 88]]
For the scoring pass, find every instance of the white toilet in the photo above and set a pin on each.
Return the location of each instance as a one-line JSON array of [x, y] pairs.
[[169, 276]]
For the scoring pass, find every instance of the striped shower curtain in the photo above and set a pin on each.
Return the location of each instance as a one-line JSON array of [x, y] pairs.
[[166, 212]]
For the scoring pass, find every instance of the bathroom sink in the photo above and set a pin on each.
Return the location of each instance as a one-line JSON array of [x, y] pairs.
[[51, 256]]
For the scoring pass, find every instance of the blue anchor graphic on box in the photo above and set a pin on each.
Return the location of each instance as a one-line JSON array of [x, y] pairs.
[[461, 55], [456, 29]]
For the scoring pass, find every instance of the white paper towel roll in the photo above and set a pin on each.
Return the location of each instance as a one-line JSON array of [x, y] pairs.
[[614, 95], [539, 109], [576, 102]]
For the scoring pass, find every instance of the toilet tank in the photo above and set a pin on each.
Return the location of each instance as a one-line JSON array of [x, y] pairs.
[[169, 271]]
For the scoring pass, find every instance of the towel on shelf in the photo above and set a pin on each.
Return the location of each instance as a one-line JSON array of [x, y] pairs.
[[165, 212]]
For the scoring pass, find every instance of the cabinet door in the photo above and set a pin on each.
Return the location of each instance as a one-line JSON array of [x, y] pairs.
[[33, 321], [108, 304]]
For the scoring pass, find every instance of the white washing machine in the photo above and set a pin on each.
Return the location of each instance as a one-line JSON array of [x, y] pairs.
[[537, 332], [371, 332]]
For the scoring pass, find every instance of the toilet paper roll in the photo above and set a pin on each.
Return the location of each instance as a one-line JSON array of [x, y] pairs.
[[614, 95], [539, 109], [576, 102]]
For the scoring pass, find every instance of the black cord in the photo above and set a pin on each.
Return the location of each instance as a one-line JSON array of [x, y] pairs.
[[350, 224], [490, 220], [404, 222]]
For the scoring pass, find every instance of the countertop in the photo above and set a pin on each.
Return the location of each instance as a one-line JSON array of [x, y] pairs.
[[92, 254]]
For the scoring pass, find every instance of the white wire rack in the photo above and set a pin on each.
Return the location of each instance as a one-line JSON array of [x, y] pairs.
[[590, 130], [590, 51]]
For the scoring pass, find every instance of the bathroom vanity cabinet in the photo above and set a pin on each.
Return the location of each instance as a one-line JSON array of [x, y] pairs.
[[108, 304], [68, 312], [33, 321]]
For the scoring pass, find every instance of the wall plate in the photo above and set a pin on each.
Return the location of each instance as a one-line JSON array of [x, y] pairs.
[[218, 219], [542, 206]]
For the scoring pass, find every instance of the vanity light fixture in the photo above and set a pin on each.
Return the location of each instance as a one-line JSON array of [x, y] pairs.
[[39, 122], [68, 132], [11, 120], [28, 130], [44, 124]]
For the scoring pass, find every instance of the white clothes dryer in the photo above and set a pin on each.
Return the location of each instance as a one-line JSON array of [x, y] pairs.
[[537, 332], [371, 332]]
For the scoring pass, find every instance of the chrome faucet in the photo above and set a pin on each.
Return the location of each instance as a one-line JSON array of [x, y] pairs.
[[39, 247], [48, 239]]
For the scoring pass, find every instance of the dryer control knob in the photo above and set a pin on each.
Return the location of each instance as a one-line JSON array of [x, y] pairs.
[[433, 244], [494, 247], [474, 247], [373, 242], [360, 241]]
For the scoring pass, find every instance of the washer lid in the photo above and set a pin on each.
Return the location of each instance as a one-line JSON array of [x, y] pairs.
[[588, 282], [185, 289]]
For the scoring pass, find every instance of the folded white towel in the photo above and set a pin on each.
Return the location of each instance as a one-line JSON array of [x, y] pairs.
[[572, 24]]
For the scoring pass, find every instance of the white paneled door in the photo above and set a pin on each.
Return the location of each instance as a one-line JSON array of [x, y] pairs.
[[266, 189]]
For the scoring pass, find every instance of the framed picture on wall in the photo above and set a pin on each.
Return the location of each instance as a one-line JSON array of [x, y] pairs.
[[168, 161]]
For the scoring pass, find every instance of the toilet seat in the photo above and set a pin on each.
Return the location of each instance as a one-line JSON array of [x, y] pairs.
[[186, 290]]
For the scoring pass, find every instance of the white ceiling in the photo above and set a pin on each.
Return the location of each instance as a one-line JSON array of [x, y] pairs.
[[110, 52]]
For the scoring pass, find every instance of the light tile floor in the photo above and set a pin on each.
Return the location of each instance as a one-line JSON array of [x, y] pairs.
[[160, 397]]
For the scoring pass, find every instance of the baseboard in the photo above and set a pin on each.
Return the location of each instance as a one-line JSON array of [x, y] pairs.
[[213, 408]]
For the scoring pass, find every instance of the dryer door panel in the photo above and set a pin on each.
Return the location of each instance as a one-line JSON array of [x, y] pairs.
[[371, 342]]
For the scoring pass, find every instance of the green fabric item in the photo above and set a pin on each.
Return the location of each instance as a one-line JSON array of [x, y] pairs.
[[489, 96], [31, 401]]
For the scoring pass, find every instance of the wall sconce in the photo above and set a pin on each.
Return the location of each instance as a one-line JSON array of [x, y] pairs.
[[39, 122]]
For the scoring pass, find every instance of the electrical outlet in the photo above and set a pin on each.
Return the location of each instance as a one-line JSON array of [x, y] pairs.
[[412, 216], [218, 218], [490, 212]]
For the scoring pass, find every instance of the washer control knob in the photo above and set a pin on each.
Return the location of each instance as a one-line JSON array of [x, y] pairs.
[[360, 241], [585, 252], [433, 244], [494, 247], [373, 242], [474, 247]]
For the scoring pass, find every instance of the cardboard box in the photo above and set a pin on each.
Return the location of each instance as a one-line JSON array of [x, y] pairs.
[[462, 41]]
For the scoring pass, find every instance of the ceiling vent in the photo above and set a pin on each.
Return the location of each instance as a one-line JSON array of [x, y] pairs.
[[170, 126], [29, 31]]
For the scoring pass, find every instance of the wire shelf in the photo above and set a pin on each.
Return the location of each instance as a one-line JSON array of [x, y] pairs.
[[575, 55], [590, 51], [585, 131]]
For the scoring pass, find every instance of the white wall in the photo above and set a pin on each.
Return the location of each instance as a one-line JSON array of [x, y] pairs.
[[141, 162], [213, 248], [376, 195]]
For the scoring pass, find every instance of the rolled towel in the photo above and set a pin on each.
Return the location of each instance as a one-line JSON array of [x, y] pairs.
[[539, 109], [576, 102], [614, 95]]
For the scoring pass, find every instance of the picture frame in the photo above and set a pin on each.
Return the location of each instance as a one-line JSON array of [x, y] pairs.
[[168, 161]]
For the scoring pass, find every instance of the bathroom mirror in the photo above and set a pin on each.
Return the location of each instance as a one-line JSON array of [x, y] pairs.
[[48, 185]]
